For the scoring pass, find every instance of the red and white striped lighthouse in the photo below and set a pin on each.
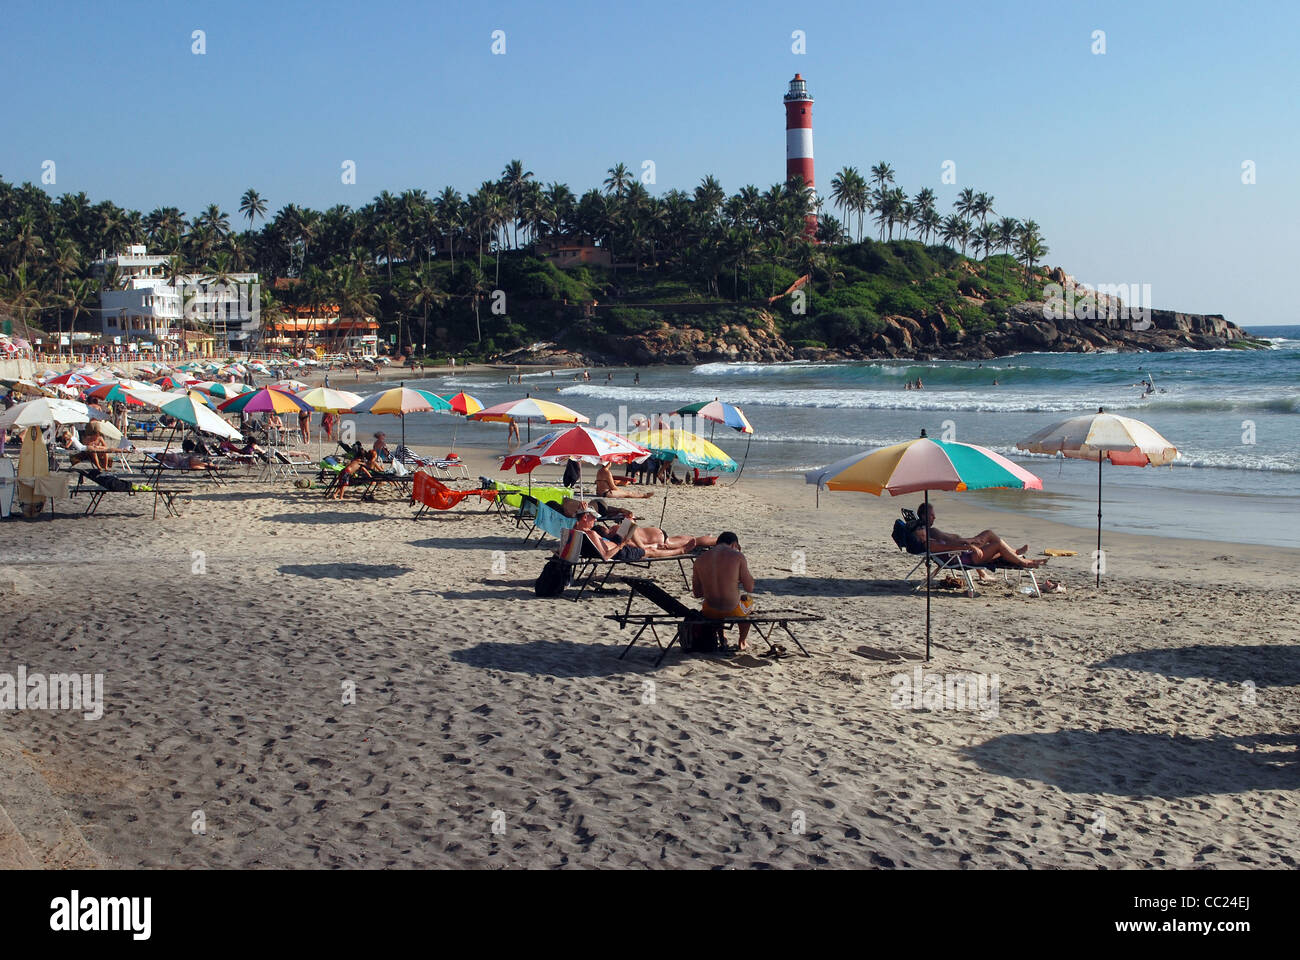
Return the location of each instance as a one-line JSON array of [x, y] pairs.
[[799, 141]]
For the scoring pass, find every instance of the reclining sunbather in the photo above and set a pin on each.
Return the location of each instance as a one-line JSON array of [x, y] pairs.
[[611, 549], [984, 547]]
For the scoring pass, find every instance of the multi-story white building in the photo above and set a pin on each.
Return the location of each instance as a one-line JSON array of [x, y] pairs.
[[145, 304]]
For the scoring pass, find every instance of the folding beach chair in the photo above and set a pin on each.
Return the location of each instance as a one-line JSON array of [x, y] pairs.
[[551, 521], [949, 561], [682, 618], [431, 494]]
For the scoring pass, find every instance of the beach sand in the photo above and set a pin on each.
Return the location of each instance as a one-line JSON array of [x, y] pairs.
[[1150, 723]]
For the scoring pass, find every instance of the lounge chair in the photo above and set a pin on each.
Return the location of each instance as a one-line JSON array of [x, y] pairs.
[[676, 614], [551, 521], [172, 463], [950, 561], [100, 483], [432, 494]]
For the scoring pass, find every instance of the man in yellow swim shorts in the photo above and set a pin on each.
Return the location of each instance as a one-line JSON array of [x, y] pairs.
[[720, 575]]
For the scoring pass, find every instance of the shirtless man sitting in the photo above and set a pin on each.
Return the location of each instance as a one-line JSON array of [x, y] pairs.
[[719, 576], [607, 486], [984, 547]]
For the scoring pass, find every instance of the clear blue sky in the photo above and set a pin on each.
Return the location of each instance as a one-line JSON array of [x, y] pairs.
[[1130, 161]]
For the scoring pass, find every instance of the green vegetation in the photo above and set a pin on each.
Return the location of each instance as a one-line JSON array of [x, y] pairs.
[[469, 274]]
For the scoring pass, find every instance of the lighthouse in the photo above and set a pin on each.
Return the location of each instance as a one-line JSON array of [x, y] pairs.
[[799, 141]]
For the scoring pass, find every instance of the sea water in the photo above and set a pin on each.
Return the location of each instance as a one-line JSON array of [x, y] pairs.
[[1233, 414]]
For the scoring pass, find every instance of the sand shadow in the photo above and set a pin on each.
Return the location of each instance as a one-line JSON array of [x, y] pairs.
[[800, 586], [553, 658], [345, 571], [1124, 763], [1275, 665], [474, 543], [325, 517]]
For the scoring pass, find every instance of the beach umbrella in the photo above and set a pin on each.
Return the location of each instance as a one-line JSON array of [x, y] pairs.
[[326, 400], [218, 388], [690, 448], [74, 381], [265, 400], [33, 466], [923, 465], [586, 444], [112, 392], [1101, 436], [399, 401], [44, 412], [715, 411], [190, 408], [528, 411], [463, 405], [727, 414]]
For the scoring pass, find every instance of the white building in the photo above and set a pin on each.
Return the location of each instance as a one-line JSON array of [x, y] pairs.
[[146, 305]]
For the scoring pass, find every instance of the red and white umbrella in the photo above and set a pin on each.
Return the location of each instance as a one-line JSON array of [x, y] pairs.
[[586, 444]]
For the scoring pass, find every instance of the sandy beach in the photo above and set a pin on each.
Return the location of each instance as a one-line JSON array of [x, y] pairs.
[[1151, 723]]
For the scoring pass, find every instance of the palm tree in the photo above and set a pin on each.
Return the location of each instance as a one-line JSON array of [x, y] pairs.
[[619, 179], [80, 297], [983, 207], [514, 180], [845, 189], [928, 223], [986, 239], [955, 230], [882, 175], [1029, 247], [425, 294], [251, 205], [449, 207], [965, 202], [1008, 227]]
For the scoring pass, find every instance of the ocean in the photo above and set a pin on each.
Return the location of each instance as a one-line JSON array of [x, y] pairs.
[[1234, 415]]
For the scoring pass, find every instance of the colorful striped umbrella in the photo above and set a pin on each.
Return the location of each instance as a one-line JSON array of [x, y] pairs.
[[689, 448], [219, 388], [74, 380], [326, 400], [586, 444], [265, 400], [114, 392], [399, 401], [923, 464], [1103, 436], [464, 405], [529, 410], [716, 411]]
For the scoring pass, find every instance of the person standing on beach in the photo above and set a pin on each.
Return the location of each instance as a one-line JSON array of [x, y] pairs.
[[512, 439], [304, 425]]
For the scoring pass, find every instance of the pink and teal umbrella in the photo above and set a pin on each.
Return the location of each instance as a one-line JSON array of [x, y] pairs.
[[265, 400], [923, 465]]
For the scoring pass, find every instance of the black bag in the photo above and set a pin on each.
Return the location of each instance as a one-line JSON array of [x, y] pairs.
[[553, 578], [701, 636]]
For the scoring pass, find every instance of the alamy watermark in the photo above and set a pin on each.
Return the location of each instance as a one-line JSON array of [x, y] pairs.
[[53, 691], [1105, 301], [973, 692], [222, 302]]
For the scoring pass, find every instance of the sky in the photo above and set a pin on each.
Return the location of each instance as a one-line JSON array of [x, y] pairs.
[[1130, 160]]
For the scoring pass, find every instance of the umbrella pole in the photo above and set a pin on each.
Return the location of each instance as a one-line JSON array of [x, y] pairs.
[[158, 473], [743, 460], [927, 581], [1097, 559]]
